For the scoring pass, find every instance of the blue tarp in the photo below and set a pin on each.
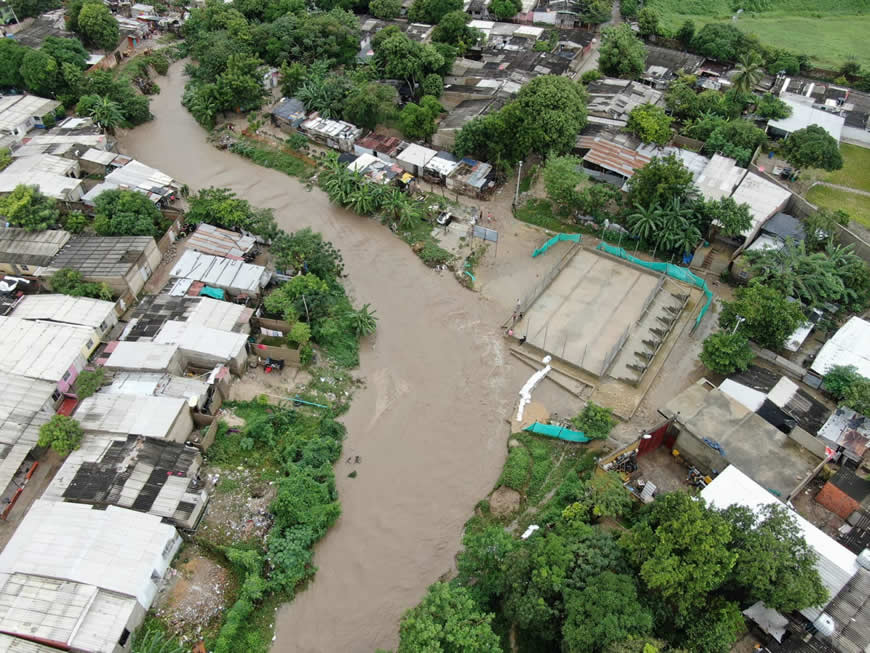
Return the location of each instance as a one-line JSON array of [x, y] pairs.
[[216, 293]]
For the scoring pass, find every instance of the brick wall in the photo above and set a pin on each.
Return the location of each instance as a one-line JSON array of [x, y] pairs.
[[837, 501]]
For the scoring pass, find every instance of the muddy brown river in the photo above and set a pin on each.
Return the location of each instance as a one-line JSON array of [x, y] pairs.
[[428, 426]]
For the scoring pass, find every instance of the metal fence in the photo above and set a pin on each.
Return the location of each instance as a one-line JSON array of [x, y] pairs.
[[614, 351], [536, 291]]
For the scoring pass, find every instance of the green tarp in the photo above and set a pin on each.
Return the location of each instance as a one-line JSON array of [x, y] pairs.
[[574, 238], [556, 432], [673, 271], [208, 291]]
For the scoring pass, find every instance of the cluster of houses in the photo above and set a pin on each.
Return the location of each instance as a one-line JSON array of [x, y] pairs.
[[766, 436], [87, 558]]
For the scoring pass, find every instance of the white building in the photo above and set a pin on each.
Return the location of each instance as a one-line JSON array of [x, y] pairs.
[[223, 316], [849, 346], [414, 158], [83, 578], [205, 347], [45, 350], [164, 418], [192, 389], [143, 357], [804, 114], [82, 311], [234, 276]]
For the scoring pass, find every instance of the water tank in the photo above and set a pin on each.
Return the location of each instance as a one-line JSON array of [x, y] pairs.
[[864, 559], [824, 625]]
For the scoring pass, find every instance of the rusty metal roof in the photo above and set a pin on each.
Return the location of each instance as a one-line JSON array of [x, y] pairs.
[[618, 159]]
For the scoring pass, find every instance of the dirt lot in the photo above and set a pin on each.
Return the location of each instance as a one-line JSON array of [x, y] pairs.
[[239, 507], [196, 596]]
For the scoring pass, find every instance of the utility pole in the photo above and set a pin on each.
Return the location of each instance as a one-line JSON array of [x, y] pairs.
[[740, 320], [519, 177]]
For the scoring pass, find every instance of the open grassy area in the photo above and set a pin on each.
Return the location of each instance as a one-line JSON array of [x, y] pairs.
[[857, 206], [855, 172], [829, 31], [540, 213]]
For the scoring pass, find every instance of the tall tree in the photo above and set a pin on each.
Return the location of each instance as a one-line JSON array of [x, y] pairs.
[[385, 9], [650, 123], [504, 9], [39, 72], [774, 562], [447, 620], [660, 182], [680, 550], [106, 113], [621, 53], [762, 314], [26, 207], [648, 21], [750, 70], [125, 213], [431, 11], [607, 610], [11, 55], [726, 353], [453, 29], [370, 104], [98, 26], [562, 175], [812, 147]]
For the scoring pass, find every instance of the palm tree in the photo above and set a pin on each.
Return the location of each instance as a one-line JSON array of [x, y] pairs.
[[364, 321], [645, 222], [411, 213], [363, 200], [107, 114], [394, 202], [749, 72]]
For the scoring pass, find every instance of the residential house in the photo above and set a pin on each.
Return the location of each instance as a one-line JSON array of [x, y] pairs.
[[142, 357], [95, 572], [64, 309], [337, 134], [21, 113], [288, 114], [233, 276], [414, 158], [24, 252], [160, 417], [804, 114], [129, 471], [208, 239], [716, 430], [611, 100], [850, 345], [124, 263], [205, 347], [471, 177]]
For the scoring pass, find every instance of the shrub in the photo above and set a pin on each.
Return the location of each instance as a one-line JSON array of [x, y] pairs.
[[88, 382], [595, 421], [63, 434], [516, 469], [726, 353]]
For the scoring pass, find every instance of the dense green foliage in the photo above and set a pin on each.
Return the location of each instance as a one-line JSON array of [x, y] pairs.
[[97, 26], [545, 118], [726, 353], [431, 11], [26, 207], [88, 382], [621, 53], [447, 620], [385, 9], [504, 9], [848, 387], [453, 29], [812, 147], [650, 124], [222, 208], [660, 182], [595, 421], [418, 120], [71, 282], [771, 107], [126, 213], [63, 434], [835, 274], [768, 317]]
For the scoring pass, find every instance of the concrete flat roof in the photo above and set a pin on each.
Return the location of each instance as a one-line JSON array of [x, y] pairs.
[[763, 197], [761, 450], [719, 178], [803, 114]]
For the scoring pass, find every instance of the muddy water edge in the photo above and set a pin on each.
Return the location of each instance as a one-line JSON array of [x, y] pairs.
[[428, 426]]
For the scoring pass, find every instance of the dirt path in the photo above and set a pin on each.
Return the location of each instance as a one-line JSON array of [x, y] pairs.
[[428, 425]]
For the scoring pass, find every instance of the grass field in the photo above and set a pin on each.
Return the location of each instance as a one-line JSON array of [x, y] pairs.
[[857, 206], [855, 172], [829, 31]]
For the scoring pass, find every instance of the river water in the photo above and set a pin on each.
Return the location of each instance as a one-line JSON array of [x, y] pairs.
[[428, 426]]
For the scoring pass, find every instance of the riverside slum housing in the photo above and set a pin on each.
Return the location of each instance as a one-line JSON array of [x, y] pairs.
[[124, 263], [79, 577], [164, 418], [136, 472], [24, 252], [71, 138], [840, 624], [63, 309], [231, 275], [19, 114]]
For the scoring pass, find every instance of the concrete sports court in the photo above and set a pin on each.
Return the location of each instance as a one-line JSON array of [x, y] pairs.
[[585, 313]]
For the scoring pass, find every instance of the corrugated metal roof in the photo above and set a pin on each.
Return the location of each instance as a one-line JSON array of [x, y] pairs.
[[102, 256], [129, 414], [30, 247], [114, 549], [836, 564], [220, 272], [202, 340], [208, 239], [215, 314], [83, 311], [850, 345], [10, 644], [25, 405], [94, 155], [142, 356], [42, 350], [55, 186], [416, 155], [610, 156], [42, 163]]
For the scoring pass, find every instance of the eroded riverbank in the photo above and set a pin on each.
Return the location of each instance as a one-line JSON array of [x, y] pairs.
[[428, 426]]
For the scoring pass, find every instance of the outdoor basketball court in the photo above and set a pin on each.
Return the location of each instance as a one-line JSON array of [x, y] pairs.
[[587, 308]]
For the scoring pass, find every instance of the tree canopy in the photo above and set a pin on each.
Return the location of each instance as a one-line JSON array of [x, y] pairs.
[[720, 41], [768, 317], [453, 29], [504, 9], [26, 207], [221, 207], [661, 181], [385, 9], [621, 53], [71, 282], [126, 213], [98, 26], [63, 434], [432, 11], [726, 353], [447, 620], [650, 123], [812, 147]]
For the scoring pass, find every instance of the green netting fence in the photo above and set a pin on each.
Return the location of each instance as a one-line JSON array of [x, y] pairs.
[[673, 271], [559, 432], [574, 238]]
